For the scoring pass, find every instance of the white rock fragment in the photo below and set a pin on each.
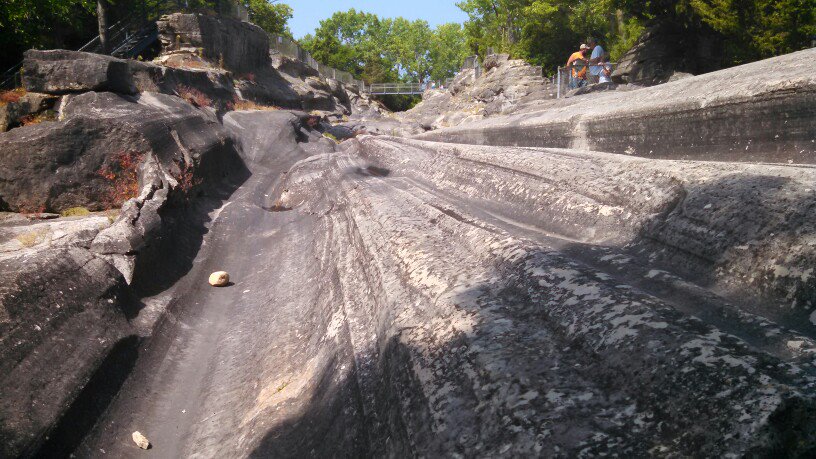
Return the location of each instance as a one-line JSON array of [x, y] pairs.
[[219, 279], [140, 440], [796, 345]]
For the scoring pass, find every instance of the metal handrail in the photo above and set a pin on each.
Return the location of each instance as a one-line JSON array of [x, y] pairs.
[[96, 38], [562, 78]]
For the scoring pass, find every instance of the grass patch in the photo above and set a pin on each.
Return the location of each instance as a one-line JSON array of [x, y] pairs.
[[250, 105], [75, 212], [32, 238]]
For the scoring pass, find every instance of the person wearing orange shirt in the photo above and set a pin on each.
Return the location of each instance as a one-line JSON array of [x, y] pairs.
[[577, 65]]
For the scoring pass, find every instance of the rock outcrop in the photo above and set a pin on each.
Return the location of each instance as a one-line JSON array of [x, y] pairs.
[[90, 158], [63, 312], [729, 115], [504, 85], [236, 45], [314, 92], [559, 329], [66, 281], [663, 53], [62, 72]]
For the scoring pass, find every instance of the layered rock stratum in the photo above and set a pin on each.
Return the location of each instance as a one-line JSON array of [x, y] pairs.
[[617, 273]]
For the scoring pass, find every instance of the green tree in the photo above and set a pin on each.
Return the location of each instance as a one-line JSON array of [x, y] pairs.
[[28, 24], [386, 50], [545, 32], [271, 17], [447, 51]]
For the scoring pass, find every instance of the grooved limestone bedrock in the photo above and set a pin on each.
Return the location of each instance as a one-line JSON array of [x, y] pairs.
[[762, 111]]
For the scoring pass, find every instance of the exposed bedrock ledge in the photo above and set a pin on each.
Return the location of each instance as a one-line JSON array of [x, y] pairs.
[[62, 312], [741, 224], [240, 46], [762, 111], [68, 318], [514, 348], [65, 72], [57, 165]]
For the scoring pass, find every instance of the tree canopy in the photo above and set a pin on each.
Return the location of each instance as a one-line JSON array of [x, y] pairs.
[[545, 31], [271, 17], [387, 49]]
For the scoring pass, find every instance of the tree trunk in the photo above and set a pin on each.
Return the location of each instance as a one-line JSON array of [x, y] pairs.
[[102, 17]]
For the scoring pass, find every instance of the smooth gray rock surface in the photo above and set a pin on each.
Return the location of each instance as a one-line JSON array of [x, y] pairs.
[[762, 111], [401, 297], [63, 312], [398, 297], [241, 46]]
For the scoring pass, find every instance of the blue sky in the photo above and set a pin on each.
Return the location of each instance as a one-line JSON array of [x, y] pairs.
[[308, 13]]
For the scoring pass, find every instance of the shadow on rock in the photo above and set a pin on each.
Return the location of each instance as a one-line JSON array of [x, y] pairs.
[[92, 401], [183, 227], [741, 230], [330, 425]]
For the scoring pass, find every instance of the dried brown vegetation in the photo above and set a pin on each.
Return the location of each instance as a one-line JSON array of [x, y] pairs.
[[11, 96], [194, 96], [123, 175]]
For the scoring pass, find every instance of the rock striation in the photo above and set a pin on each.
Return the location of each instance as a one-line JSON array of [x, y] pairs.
[[728, 115], [598, 303]]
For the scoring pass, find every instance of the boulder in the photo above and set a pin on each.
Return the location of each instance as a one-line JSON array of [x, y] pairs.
[[219, 279], [663, 50], [236, 45], [495, 60], [140, 440], [292, 67], [64, 72], [79, 161], [61, 72]]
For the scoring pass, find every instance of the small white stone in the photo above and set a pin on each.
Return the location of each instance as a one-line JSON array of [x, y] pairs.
[[219, 279], [796, 345], [140, 440]]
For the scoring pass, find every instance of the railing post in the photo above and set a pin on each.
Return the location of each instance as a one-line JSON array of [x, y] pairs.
[[558, 90]]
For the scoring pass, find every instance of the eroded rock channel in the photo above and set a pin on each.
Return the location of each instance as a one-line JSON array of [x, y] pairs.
[[473, 291]]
